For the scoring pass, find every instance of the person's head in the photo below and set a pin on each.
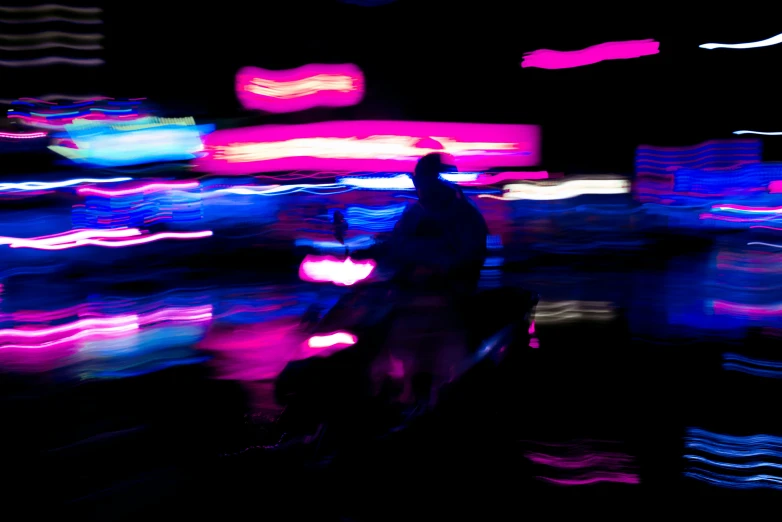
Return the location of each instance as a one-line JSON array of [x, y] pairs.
[[426, 176]]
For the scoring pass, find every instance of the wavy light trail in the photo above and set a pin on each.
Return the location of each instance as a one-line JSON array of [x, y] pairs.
[[758, 132], [548, 59], [774, 40], [309, 86]]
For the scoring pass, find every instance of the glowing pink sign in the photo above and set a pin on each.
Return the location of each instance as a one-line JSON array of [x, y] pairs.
[[314, 85], [329, 269], [548, 59], [367, 146]]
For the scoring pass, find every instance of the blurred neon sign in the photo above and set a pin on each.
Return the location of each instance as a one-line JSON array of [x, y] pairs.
[[313, 85], [368, 145]]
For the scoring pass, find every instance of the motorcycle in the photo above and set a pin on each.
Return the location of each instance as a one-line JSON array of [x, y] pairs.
[[334, 385]]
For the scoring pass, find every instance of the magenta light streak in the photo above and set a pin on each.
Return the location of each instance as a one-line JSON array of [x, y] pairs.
[[769, 228], [775, 187], [725, 307], [747, 209], [367, 146], [107, 332], [329, 269], [146, 188], [184, 314], [733, 219], [548, 59], [83, 324], [23, 135], [119, 243], [580, 462], [306, 87], [594, 478]]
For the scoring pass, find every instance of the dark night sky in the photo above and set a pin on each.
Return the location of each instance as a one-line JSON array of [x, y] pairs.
[[452, 61]]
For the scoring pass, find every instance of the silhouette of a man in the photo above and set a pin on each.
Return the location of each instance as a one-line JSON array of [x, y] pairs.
[[440, 241], [439, 245]]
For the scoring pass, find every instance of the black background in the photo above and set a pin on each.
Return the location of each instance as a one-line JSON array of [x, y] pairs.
[[450, 61]]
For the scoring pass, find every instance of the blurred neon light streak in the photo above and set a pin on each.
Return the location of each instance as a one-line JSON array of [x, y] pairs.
[[68, 237], [149, 187], [50, 19], [306, 87], [769, 228], [117, 244], [751, 210], [758, 132], [564, 190], [23, 135], [742, 309], [709, 215], [492, 179], [83, 324], [43, 185], [596, 477], [45, 8], [775, 187], [53, 60], [548, 59], [400, 181], [329, 269], [50, 35], [739, 482], [367, 146], [332, 340], [760, 243], [774, 40], [84, 334]]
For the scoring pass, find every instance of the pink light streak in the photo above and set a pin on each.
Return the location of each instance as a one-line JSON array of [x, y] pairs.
[[81, 325], [23, 135], [306, 87], [725, 307], [367, 146], [329, 269], [548, 59], [596, 477], [745, 208], [775, 187], [146, 188]]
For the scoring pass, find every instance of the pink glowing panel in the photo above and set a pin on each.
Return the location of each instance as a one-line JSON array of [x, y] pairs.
[[142, 189], [329, 269], [314, 85], [775, 187], [548, 59], [367, 146]]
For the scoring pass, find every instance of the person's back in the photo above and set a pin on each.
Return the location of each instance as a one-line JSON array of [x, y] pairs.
[[440, 241]]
